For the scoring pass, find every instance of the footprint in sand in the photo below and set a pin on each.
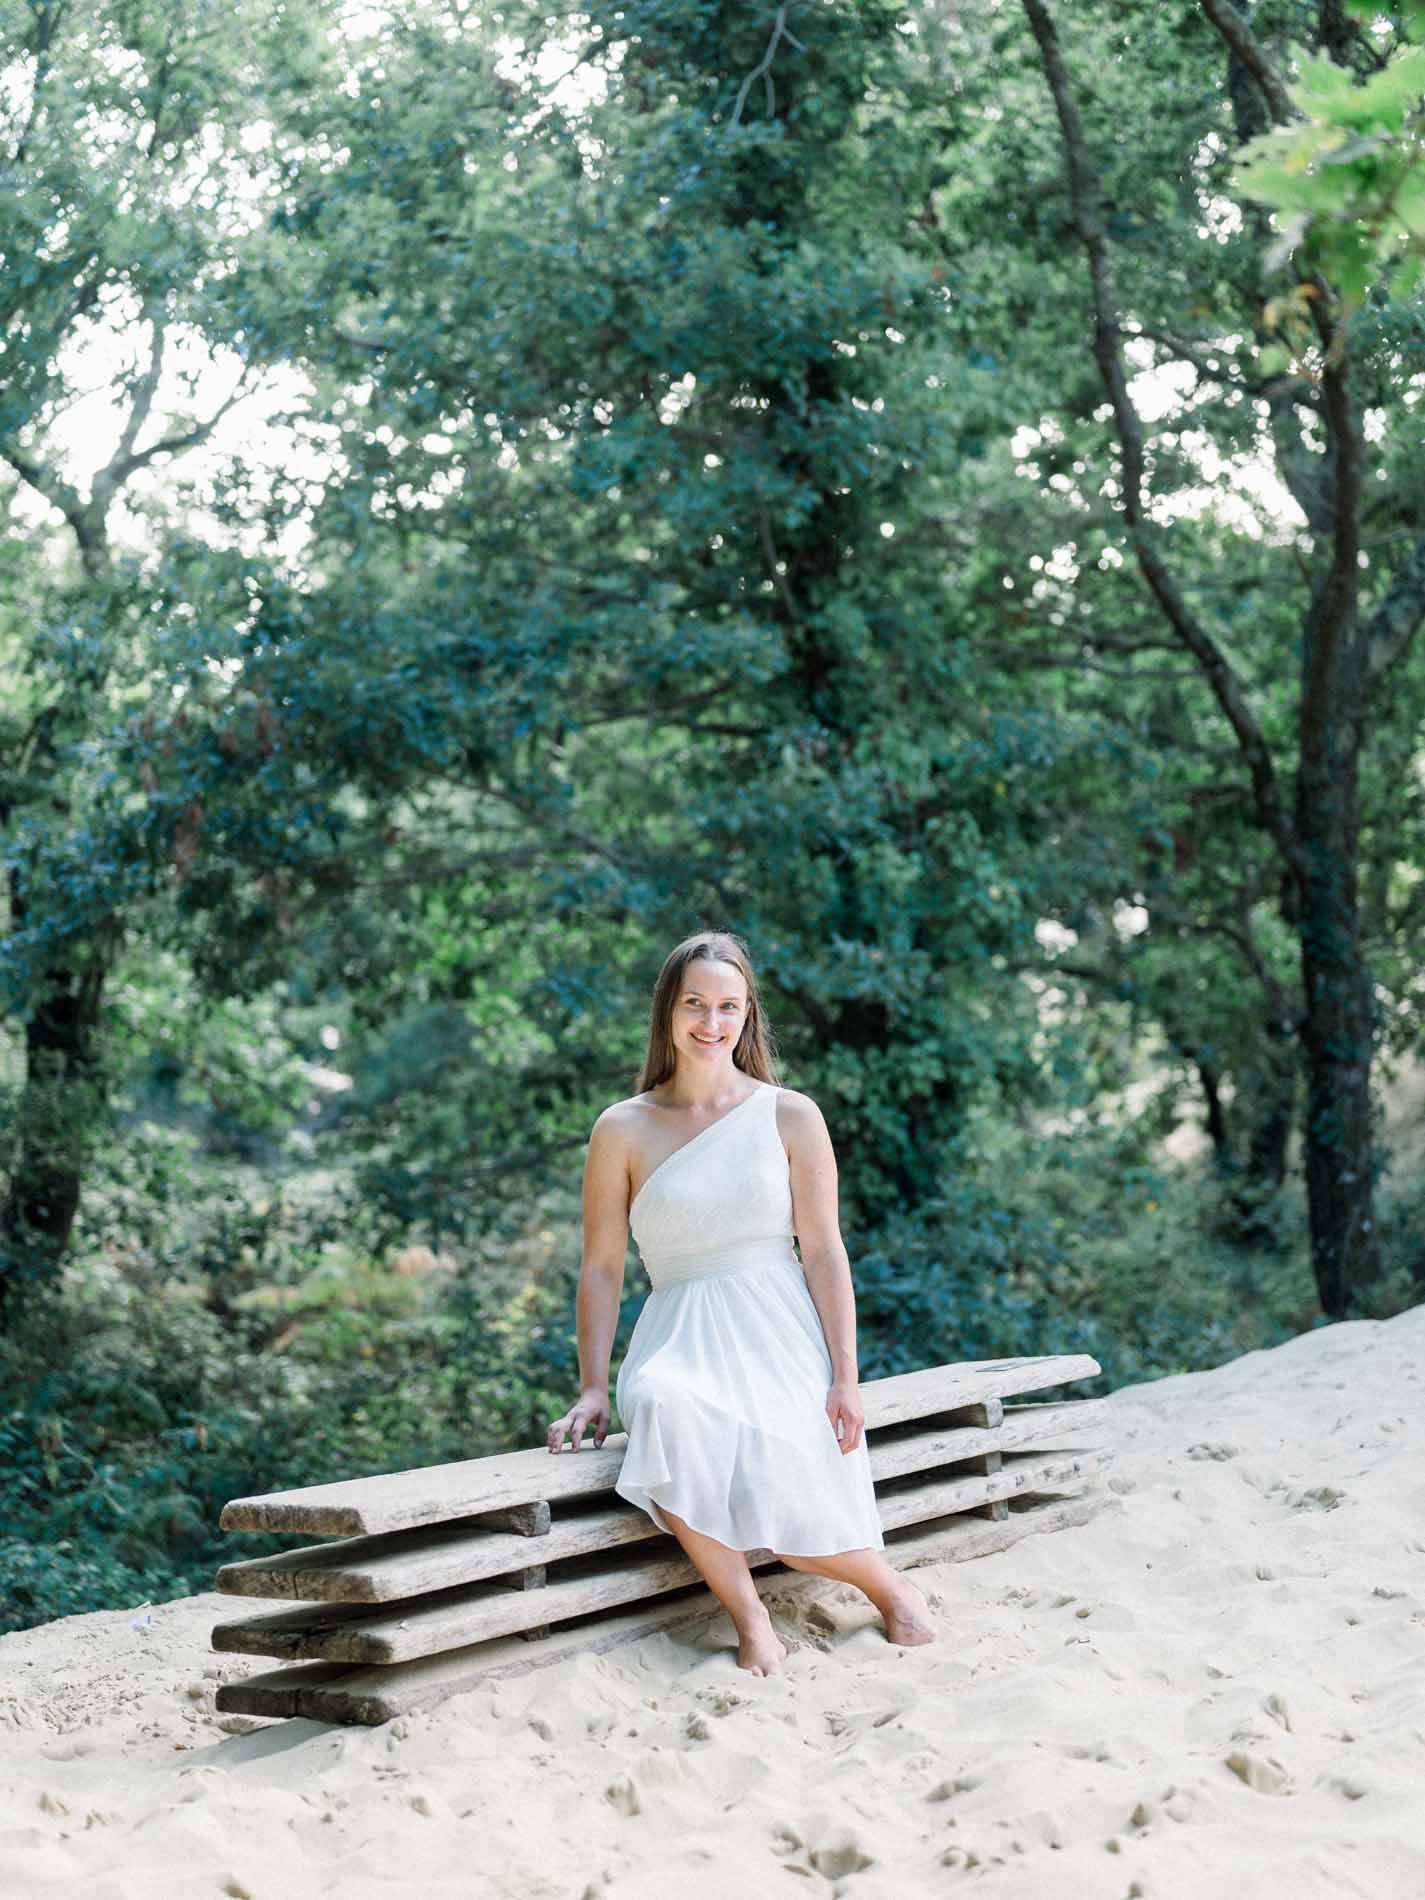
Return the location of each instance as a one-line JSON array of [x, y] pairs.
[[956, 1784], [839, 1853], [967, 1858], [1264, 1774], [721, 1701], [833, 1852], [1174, 1802], [622, 1797], [1316, 1497]]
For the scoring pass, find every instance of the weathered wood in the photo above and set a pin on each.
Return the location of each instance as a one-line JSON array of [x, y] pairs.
[[532, 1577], [434, 1494], [327, 1692], [990, 1416], [432, 1590], [971, 1492], [372, 1695], [1066, 1424], [398, 1564], [450, 1619], [425, 1625], [276, 1692], [527, 1520], [918, 1395], [430, 1494], [436, 1557], [957, 1539]]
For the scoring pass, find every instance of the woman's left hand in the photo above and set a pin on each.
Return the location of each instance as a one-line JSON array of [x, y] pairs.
[[843, 1408]]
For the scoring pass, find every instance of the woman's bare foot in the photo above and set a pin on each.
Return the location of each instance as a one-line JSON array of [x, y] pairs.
[[761, 1651], [907, 1615]]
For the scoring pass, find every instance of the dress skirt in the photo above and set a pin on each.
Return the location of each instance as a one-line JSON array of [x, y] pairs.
[[723, 1394]]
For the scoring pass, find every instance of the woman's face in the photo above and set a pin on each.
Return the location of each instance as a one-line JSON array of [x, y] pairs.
[[709, 1011]]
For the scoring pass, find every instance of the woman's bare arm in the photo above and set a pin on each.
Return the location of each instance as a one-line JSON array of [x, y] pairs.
[[812, 1163], [596, 1305]]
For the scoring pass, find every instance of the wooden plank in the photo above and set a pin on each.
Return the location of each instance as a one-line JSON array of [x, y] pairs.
[[916, 1395], [436, 1557], [971, 1492], [529, 1520], [430, 1494], [450, 1619], [332, 1693], [276, 1691], [1067, 1423], [434, 1494], [365, 1695], [957, 1539], [385, 1568]]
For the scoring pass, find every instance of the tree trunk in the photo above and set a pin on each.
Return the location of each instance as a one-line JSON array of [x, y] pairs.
[[1210, 1076], [1337, 1033], [61, 1095]]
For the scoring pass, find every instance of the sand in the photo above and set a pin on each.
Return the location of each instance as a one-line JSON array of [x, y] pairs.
[[1218, 1686]]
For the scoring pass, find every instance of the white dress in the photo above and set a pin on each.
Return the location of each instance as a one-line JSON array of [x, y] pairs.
[[723, 1388]]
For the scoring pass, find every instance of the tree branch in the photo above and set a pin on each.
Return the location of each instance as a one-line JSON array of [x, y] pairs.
[[1242, 42], [126, 462], [1226, 687], [107, 479], [763, 69], [49, 486]]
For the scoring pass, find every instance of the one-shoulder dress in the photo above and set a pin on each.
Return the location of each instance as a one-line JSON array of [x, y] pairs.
[[723, 1387]]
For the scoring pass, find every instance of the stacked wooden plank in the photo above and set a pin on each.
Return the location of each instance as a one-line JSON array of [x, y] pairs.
[[438, 1579]]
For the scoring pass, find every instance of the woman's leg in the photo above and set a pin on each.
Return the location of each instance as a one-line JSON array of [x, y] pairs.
[[760, 1650], [903, 1608]]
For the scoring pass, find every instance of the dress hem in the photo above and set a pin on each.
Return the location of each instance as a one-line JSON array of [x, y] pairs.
[[643, 1499]]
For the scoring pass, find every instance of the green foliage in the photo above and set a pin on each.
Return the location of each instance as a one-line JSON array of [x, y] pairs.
[[694, 505], [1349, 174], [135, 1401], [142, 1393]]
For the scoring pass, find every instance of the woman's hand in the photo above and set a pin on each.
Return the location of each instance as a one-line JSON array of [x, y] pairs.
[[592, 1408], [843, 1408]]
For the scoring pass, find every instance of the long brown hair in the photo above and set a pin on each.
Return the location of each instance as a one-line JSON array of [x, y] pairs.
[[755, 1051]]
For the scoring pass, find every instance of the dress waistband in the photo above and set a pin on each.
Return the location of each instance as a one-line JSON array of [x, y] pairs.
[[698, 1263]]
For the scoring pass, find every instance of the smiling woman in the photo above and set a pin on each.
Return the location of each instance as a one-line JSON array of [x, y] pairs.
[[739, 1386]]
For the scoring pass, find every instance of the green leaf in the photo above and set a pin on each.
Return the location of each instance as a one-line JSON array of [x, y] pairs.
[[1406, 280], [1410, 203]]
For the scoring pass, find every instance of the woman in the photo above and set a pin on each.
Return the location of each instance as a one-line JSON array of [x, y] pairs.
[[738, 1389]]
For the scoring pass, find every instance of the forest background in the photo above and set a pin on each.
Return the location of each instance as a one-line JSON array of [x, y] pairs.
[[934, 488]]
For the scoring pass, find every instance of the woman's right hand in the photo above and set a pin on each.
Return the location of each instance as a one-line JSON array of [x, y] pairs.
[[591, 1409]]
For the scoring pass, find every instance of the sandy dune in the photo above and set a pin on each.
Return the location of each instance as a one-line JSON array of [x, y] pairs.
[[1220, 1685]]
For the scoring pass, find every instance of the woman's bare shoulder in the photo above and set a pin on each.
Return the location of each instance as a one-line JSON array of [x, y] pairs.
[[622, 1119], [797, 1113]]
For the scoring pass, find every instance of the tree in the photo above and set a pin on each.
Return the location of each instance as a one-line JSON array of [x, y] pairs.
[[652, 429], [1347, 656], [124, 154]]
